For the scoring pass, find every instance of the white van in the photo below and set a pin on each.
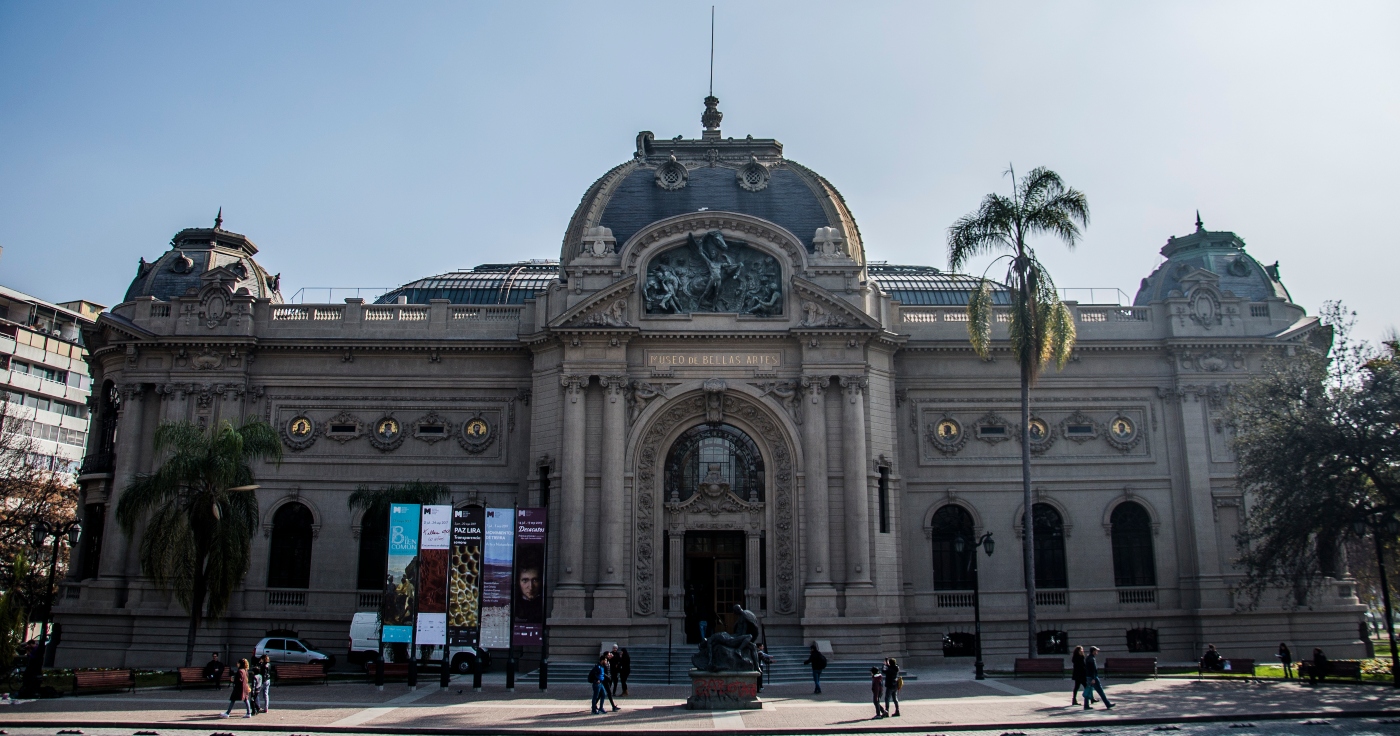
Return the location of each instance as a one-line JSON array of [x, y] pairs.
[[364, 647]]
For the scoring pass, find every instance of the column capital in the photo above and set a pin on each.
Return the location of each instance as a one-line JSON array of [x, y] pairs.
[[574, 384], [615, 385], [815, 384], [854, 385]]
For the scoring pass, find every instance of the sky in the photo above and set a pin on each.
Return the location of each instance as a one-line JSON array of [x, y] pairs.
[[366, 145]]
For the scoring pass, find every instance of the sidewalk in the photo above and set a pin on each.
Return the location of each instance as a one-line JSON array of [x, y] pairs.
[[944, 700]]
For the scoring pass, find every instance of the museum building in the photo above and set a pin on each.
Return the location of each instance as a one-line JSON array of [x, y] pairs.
[[719, 400]]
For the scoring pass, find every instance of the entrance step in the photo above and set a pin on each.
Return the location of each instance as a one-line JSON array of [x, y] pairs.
[[652, 666]]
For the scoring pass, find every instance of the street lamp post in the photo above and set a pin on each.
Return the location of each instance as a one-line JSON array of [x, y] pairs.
[[987, 544], [1391, 527], [34, 671]]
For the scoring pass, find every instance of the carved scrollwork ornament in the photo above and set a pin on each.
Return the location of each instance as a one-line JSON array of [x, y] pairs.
[[476, 434], [1079, 427], [672, 175], [947, 435], [992, 428], [432, 428], [343, 427], [752, 176], [299, 432], [387, 435], [1123, 433]]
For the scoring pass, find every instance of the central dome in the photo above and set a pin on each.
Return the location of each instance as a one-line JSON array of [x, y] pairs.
[[678, 176]]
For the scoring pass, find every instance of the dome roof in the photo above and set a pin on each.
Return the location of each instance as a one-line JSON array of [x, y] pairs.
[[673, 177], [195, 251], [1222, 253], [489, 283]]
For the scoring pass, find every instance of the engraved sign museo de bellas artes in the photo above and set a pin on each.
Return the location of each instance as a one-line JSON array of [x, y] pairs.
[[711, 275], [718, 401]]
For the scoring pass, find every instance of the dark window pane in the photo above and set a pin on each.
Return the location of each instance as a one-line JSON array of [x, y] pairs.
[[1133, 561], [374, 551], [289, 560], [1142, 640], [1049, 547], [952, 571]]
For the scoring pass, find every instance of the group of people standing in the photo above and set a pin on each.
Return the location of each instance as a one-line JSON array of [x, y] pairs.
[[887, 682], [611, 671], [1085, 675], [250, 683]]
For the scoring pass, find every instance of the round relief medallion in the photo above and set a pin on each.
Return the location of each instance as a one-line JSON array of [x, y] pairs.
[[947, 435], [1039, 434], [1123, 433], [476, 434], [387, 434], [299, 432]]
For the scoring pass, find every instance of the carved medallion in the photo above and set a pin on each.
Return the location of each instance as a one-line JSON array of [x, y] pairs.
[[299, 432], [672, 175], [476, 434], [387, 435], [753, 176], [1123, 433], [947, 435], [1039, 434]]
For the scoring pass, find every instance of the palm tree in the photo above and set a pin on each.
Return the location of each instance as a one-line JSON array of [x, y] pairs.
[[1041, 327], [200, 513], [375, 502]]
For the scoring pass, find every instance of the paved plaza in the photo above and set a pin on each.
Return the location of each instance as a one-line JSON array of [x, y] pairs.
[[936, 702]]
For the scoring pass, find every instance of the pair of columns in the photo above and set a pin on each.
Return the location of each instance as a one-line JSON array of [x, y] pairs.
[[820, 592], [610, 594]]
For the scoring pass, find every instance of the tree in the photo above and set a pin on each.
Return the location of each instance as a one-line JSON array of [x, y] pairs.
[[375, 502], [32, 491], [1317, 447], [200, 513], [1041, 327], [14, 616]]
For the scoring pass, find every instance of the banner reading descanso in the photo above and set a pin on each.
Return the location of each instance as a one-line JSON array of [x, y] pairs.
[[464, 582], [529, 577], [496, 582], [398, 603], [433, 543]]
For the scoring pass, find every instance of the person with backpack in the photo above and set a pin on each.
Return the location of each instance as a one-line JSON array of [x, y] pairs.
[[818, 662], [893, 683], [596, 676]]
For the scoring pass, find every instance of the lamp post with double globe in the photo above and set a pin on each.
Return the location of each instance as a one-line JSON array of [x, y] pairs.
[[988, 545]]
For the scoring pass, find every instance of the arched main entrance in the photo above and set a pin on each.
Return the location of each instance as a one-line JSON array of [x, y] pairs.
[[714, 512]]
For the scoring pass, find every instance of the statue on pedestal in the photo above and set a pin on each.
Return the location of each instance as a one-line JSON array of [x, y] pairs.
[[735, 651]]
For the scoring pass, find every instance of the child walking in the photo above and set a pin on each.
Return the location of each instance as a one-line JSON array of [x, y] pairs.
[[877, 689]]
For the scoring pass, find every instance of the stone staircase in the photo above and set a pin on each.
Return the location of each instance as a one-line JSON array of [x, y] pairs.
[[650, 667]]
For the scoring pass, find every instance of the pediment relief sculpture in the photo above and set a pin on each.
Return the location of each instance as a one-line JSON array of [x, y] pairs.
[[710, 274]]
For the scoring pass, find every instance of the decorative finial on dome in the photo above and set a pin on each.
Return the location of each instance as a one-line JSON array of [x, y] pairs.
[[1199, 227], [710, 119], [219, 219]]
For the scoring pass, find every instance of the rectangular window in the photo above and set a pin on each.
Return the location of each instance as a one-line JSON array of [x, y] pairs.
[[884, 500], [19, 366]]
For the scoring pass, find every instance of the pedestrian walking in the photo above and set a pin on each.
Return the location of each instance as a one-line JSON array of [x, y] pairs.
[[818, 662], [877, 685], [1318, 673], [894, 682], [264, 691], [238, 691], [595, 679], [610, 676], [764, 661], [624, 669], [1077, 676], [1285, 657], [1091, 677]]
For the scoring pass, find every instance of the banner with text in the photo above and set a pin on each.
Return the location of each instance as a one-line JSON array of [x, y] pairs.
[[398, 604], [434, 539], [529, 576], [464, 581], [496, 578]]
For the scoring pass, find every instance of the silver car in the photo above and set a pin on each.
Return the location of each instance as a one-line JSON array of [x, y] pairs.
[[290, 651]]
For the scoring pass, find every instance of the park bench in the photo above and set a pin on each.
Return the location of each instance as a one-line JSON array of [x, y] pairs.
[[1349, 669], [1229, 667], [1054, 666], [104, 680], [195, 676], [1118, 666], [282, 673]]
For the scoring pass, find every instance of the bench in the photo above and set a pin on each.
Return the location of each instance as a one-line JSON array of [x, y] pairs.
[[1054, 666], [1229, 667], [392, 670], [195, 676], [104, 680], [285, 672], [1349, 669], [1116, 666]]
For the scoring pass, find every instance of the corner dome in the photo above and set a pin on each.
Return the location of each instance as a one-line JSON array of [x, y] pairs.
[[195, 251], [1222, 253], [679, 176]]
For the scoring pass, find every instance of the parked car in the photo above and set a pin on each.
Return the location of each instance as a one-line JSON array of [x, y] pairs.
[[291, 651], [364, 647]]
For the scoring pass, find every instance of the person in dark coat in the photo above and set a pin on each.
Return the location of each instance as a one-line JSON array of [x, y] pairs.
[[1211, 661], [1091, 678], [1318, 673], [238, 692], [595, 681], [1285, 658], [624, 668], [818, 662], [610, 676], [214, 671], [877, 686], [892, 685], [1078, 678]]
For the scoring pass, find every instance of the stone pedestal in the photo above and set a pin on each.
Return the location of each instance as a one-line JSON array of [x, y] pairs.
[[723, 691]]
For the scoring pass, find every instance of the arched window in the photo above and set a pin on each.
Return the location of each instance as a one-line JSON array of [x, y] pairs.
[[723, 449], [1133, 561], [374, 551], [1049, 547], [952, 571], [289, 561]]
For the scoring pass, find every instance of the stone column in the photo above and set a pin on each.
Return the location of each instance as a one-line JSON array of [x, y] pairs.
[[610, 597], [753, 592], [119, 552], [569, 594], [819, 594], [676, 545], [857, 497]]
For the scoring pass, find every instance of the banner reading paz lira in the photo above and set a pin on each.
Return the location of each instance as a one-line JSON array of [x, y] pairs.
[[433, 543], [464, 582], [398, 603]]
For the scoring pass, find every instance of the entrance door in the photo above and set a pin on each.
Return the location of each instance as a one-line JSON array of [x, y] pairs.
[[714, 581]]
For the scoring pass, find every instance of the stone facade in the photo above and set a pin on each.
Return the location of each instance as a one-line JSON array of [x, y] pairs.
[[713, 284]]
